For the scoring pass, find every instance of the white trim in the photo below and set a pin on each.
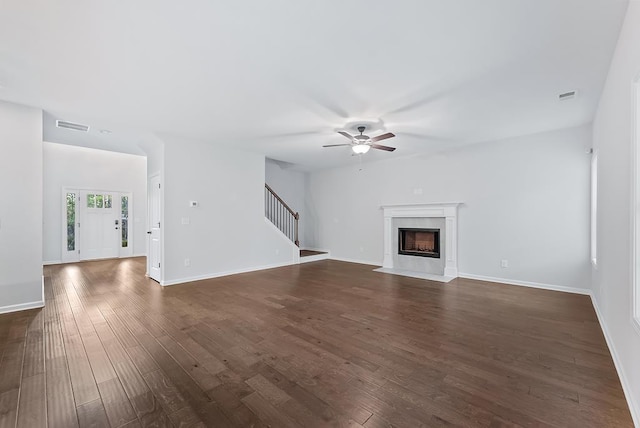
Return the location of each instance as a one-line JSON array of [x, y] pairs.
[[21, 307], [53, 262], [552, 287], [626, 388], [25, 306], [593, 238], [227, 273], [362, 262], [635, 210]]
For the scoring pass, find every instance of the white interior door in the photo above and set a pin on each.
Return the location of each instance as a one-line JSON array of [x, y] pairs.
[[99, 225], [155, 247]]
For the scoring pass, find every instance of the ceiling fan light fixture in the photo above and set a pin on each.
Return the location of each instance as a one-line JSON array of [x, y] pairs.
[[360, 149]]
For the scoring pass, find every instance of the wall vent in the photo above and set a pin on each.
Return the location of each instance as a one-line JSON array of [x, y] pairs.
[[567, 95], [71, 125]]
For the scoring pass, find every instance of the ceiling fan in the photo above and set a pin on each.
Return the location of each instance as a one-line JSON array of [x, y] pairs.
[[361, 144]]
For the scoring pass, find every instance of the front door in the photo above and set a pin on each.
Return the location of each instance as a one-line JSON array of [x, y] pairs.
[[99, 225], [155, 246]]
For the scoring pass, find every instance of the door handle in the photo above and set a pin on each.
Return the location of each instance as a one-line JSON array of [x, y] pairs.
[[149, 232]]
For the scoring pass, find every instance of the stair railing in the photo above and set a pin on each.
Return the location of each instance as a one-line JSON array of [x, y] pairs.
[[279, 213]]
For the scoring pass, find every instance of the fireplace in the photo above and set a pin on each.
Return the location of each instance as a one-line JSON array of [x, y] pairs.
[[440, 216], [419, 242]]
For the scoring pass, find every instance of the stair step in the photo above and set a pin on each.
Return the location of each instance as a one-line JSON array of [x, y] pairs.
[[307, 253], [312, 255]]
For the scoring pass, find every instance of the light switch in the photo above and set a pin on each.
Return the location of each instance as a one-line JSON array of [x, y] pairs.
[[186, 220]]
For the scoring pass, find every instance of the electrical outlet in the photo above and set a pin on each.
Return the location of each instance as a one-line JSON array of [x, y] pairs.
[[186, 220], [187, 262], [504, 263]]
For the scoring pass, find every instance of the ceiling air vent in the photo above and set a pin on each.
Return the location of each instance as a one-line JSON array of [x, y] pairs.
[[567, 95], [71, 125]]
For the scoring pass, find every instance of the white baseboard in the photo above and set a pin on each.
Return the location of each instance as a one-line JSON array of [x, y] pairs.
[[226, 273], [635, 412], [362, 262], [52, 262], [21, 307], [552, 287], [25, 306]]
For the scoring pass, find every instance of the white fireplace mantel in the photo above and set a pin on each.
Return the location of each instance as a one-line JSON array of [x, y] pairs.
[[448, 211]]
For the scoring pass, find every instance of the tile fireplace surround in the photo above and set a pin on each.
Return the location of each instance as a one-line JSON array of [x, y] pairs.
[[448, 211]]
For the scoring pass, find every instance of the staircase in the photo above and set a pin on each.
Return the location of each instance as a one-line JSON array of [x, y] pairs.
[[284, 218], [279, 213]]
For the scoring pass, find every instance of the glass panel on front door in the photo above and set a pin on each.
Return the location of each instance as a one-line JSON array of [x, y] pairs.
[[71, 221], [124, 223]]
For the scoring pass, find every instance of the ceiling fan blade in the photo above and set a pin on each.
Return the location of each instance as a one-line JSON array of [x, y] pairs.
[[382, 137], [346, 135], [385, 148], [336, 145]]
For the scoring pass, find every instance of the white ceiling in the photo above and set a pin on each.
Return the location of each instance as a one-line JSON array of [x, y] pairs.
[[279, 77]]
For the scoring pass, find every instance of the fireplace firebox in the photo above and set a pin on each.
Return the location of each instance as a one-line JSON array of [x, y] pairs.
[[419, 242]]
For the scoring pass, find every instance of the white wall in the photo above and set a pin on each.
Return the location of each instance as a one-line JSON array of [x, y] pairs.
[[227, 232], [83, 168], [612, 137], [291, 187], [525, 200], [21, 207]]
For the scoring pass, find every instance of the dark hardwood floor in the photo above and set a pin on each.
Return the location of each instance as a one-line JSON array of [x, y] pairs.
[[320, 344]]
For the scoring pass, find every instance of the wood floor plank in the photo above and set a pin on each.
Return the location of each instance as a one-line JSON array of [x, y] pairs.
[[9, 408], [32, 406], [267, 412], [11, 366], [194, 368], [116, 404], [34, 347], [132, 382], [149, 411], [142, 360], [165, 391], [92, 415], [267, 390]]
